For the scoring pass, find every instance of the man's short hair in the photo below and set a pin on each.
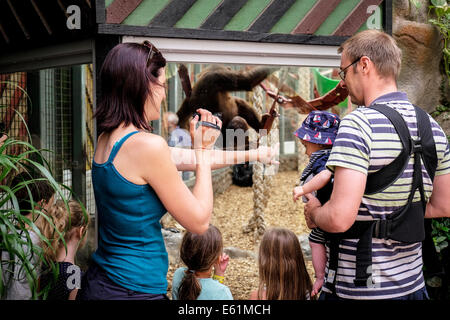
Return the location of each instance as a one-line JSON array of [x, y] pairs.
[[40, 189], [172, 118], [380, 47]]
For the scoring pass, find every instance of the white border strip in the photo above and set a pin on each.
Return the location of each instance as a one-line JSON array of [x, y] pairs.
[[242, 52]]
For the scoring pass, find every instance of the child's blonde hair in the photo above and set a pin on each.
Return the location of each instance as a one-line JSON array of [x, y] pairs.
[[282, 269], [65, 219]]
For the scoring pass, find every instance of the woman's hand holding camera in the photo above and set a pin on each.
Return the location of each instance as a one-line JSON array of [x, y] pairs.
[[203, 136]]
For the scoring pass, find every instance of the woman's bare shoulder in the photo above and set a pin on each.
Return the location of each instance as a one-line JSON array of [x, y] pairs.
[[148, 145], [150, 141]]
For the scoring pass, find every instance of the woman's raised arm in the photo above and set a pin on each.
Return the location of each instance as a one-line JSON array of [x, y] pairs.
[[185, 160]]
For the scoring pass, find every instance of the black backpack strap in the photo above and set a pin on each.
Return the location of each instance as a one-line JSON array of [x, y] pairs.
[[384, 177], [423, 147], [330, 281], [431, 261], [429, 154], [377, 181]]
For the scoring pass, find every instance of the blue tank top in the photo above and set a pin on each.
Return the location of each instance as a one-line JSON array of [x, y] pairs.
[[131, 247]]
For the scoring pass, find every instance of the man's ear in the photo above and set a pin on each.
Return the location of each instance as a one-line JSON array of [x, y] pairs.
[[365, 64]]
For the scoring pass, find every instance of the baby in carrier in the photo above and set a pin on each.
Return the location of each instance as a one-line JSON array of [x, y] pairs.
[[317, 133]]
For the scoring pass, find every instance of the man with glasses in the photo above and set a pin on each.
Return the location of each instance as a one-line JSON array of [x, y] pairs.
[[366, 142]]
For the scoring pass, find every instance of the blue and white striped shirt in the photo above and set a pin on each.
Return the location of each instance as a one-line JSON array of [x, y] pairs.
[[366, 142]]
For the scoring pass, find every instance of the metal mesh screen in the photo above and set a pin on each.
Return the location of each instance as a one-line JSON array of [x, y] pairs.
[[90, 136], [52, 97], [13, 110], [13, 106], [56, 123]]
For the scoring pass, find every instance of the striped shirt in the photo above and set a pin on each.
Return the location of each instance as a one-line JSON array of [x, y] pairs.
[[366, 142], [317, 163]]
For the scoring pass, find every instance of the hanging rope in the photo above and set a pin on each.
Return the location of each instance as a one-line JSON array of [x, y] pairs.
[[304, 90], [256, 223], [262, 174]]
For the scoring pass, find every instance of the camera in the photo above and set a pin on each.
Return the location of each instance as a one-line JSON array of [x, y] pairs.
[[207, 123]]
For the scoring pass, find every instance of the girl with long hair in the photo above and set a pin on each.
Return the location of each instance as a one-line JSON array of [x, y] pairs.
[[282, 269]]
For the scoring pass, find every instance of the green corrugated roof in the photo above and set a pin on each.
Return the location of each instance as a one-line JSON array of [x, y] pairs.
[[193, 18], [293, 16], [336, 17], [248, 13], [197, 14], [145, 12]]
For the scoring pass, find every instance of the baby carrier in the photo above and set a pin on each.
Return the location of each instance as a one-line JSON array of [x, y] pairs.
[[406, 224]]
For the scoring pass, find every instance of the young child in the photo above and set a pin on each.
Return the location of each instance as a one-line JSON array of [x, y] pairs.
[[73, 225], [41, 193], [317, 133], [200, 253], [282, 269]]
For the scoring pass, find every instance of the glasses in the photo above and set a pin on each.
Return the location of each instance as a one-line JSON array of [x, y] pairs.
[[342, 73], [152, 51]]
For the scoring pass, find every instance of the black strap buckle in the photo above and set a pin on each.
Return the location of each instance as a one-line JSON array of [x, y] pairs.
[[416, 146], [382, 229], [360, 282]]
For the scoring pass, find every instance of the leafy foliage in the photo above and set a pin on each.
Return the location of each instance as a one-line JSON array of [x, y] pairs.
[[15, 241], [441, 233], [442, 23], [15, 237]]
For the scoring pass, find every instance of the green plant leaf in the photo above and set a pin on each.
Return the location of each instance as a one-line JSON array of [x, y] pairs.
[[443, 245], [416, 3], [439, 3], [15, 237]]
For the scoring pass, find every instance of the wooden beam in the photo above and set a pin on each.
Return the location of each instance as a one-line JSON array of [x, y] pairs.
[[172, 13], [316, 16], [5, 36], [64, 9], [125, 30], [271, 15], [119, 10], [78, 154], [24, 30], [41, 16], [387, 16], [223, 14], [100, 11], [356, 18]]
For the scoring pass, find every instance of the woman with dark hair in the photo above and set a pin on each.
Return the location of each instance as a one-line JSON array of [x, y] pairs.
[[136, 180]]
